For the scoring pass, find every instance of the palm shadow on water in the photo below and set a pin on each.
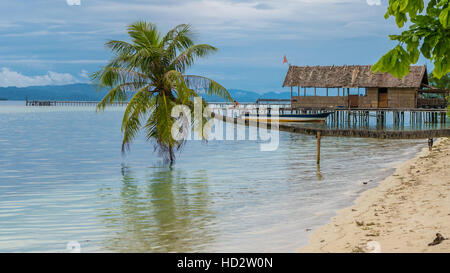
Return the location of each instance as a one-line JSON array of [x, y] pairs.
[[166, 210]]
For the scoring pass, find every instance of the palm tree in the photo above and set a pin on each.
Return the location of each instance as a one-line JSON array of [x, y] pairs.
[[149, 71]]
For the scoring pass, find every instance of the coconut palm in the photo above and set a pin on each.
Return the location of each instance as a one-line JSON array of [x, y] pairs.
[[149, 71]]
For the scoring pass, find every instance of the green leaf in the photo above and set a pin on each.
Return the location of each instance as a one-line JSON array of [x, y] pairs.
[[444, 17], [438, 72], [403, 5], [414, 55], [394, 5], [396, 62], [442, 3]]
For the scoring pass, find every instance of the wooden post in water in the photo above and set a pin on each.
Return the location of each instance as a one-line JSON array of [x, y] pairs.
[[318, 147]]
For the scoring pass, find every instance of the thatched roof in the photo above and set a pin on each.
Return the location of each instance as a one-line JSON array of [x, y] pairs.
[[351, 76]]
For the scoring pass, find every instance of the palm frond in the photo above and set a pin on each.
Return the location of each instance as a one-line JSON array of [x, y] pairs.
[[186, 58], [210, 87], [140, 104], [179, 38], [112, 76], [119, 93], [144, 34], [159, 127], [121, 47]]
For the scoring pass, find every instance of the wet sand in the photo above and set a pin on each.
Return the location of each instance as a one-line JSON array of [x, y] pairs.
[[402, 214]]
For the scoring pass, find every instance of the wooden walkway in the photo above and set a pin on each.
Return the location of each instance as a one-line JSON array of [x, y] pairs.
[[357, 117], [366, 133], [361, 133], [68, 103]]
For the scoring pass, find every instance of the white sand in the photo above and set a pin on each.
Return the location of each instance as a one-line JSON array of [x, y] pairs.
[[402, 214]]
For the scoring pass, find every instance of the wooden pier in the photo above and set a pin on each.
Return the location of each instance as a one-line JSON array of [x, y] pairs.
[[358, 117], [301, 128], [68, 103], [355, 123]]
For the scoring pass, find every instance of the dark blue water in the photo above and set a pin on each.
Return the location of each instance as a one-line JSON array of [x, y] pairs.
[[63, 178]]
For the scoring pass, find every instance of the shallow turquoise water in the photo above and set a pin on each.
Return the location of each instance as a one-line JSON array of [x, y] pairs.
[[63, 178]]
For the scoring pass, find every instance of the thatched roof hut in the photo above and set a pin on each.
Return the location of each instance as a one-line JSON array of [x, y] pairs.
[[352, 76], [379, 90]]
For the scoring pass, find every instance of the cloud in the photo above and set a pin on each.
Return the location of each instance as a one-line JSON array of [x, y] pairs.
[[73, 2], [262, 6], [13, 78], [84, 74], [6, 25], [237, 19], [64, 38], [373, 2], [257, 19], [45, 61]]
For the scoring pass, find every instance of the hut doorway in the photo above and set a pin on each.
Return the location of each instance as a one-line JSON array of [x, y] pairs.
[[353, 101], [382, 98]]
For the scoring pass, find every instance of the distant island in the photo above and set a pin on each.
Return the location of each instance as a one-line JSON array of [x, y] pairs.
[[87, 92]]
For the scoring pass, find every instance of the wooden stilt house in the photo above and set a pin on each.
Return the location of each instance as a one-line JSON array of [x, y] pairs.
[[356, 86]]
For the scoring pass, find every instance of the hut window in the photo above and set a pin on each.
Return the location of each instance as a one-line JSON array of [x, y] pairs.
[[363, 92], [319, 91], [353, 91], [309, 91], [332, 92]]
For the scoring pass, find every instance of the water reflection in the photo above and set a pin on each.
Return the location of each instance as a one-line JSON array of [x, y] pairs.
[[164, 210], [318, 173], [304, 160]]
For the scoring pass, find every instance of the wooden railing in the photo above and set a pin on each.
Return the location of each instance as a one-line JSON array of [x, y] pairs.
[[431, 103]]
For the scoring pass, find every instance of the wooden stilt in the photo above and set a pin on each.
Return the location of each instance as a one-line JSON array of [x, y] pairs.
[[318, 147]]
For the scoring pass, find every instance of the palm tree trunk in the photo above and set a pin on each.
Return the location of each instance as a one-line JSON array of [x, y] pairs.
[[171, 156]]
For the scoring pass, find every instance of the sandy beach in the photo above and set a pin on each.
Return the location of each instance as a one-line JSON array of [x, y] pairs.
[[402, 214]]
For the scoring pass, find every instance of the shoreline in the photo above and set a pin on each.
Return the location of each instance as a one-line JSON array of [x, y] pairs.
[[402, 213]]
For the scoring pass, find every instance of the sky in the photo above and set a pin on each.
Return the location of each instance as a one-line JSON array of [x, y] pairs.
[[55, 42]]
